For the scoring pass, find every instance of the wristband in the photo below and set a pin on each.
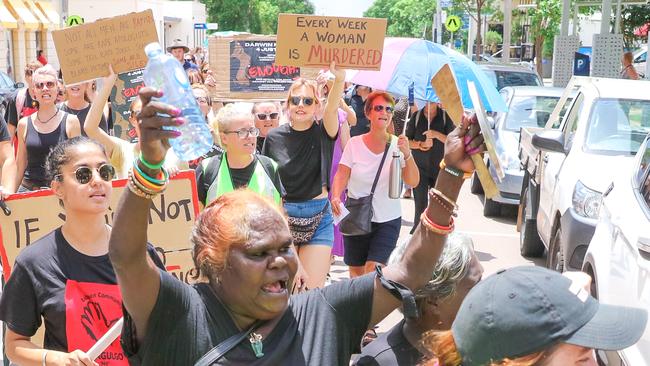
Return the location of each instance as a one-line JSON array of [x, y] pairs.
[[160, 182], [149, 165], [43, 360], [454, 171]]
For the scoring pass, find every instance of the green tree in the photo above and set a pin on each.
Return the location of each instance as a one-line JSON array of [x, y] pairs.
[[632, 17], [406, 18], [255, 16], [545, 20], [476, 9]]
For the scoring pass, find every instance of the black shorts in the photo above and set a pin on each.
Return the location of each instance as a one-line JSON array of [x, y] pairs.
[[376, 246]]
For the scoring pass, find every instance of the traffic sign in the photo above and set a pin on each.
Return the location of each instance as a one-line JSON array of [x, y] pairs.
[[212, 26], [453, 23], [200, 26], [73, 20], [445, 4]]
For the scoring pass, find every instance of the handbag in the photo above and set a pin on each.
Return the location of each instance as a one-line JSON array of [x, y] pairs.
[[226, 346], [359, 221], [303, 228]]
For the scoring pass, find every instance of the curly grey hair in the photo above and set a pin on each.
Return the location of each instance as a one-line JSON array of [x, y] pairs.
[[452, 266]]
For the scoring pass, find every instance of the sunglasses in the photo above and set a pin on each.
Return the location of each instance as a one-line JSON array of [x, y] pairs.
[[264, 116], [245, 132], [201, 100], [305, 100], [84, 174], [379, 108], [49, 84]]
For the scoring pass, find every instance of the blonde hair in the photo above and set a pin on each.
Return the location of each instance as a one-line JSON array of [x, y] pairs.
[[310, 84], [231, 113], [46, 70]]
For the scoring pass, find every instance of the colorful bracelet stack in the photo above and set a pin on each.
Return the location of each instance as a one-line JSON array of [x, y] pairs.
[[453, 171], [143, 185], [435, 228]]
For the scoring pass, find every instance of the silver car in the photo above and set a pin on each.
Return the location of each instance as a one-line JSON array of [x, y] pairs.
[[528, 106]]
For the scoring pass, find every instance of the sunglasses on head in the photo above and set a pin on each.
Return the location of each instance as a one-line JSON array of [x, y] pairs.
[[84, 174], [379, 108], [264, 116], [49, 84], [305, 100]]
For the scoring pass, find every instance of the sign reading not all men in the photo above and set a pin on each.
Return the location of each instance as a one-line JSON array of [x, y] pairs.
[[315, 41]]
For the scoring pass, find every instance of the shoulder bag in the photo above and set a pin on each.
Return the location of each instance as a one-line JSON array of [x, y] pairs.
[[359, 221]]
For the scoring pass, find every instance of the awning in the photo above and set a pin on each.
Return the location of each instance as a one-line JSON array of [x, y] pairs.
[[39, 14], [21, 11], [48, 10], [6, 19]]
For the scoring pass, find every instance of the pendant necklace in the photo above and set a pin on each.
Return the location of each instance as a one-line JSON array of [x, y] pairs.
[[49, 119], [256, 344]]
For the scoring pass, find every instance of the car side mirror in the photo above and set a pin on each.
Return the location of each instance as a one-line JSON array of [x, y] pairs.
[[644, 244], [19, 85], [552, 141]]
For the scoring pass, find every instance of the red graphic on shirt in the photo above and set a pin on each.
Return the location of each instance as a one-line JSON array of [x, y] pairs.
[[90, 311]]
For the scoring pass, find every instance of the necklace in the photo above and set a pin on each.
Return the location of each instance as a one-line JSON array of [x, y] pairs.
[[49, 119], [256, 344]]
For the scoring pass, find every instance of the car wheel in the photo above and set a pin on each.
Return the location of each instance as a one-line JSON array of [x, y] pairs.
[[530, 245], [491, 208], [476, 186], [555, 257]]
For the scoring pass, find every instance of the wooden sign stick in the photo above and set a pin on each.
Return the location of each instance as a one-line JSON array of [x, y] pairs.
[[445, 86]]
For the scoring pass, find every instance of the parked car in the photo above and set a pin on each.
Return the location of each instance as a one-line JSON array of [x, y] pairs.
[[618, 258], [598, 138], [528, 106], [502, 75], [639, 58], [7, 86]]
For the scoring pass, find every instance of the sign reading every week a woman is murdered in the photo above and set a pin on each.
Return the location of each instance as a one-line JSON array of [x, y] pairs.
[[313, 41]]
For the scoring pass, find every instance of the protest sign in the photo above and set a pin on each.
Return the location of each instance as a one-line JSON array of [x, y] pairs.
[[171, 218], [128, 84], [244, 68], [315, 41], [86, 50]]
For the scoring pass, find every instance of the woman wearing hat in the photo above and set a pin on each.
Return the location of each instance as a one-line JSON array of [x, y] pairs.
[[178, 49]]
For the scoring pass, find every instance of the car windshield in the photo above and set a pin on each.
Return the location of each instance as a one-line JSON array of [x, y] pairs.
[[529, 111], [501, 79], [618, 126]]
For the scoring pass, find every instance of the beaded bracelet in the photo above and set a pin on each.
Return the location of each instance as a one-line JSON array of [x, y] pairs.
[[149, 165], [435, 192], [435, 228], [156, 181], [138, 192], [453, 171], [136, 187]]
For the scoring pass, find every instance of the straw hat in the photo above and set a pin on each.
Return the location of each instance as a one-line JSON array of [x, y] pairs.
[[177, 43]]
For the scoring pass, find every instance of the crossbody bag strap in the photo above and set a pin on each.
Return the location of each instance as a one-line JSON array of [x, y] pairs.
[[226, 346], [381, 166]]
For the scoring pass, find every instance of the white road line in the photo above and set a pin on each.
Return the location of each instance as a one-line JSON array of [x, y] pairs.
[[483, 233]]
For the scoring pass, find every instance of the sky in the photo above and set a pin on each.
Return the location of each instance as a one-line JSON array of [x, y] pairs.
[[348, 8]]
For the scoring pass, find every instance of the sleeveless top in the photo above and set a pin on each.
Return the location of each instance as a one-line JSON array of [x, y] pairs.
[[38, 145]]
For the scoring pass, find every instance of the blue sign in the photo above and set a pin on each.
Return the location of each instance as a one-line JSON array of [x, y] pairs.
[[200, 26], [465, 21], [445, 4]]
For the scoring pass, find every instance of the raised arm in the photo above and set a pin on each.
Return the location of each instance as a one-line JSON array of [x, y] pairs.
[[351, 116], [94, 117], [425, 247], [410, 172], [21, 157], [330, 116], [137, 276]]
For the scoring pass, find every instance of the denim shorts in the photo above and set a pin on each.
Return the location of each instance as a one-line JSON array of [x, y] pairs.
[[324, 234], [376, 246]]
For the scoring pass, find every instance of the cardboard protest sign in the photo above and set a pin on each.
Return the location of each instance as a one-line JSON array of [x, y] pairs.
[[244, 68], [86, 50], [171, 218], [123, 94], [316, 41]]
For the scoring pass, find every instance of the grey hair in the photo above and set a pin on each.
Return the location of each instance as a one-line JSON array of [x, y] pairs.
[[46, 70], [452, 266], [233, 112]]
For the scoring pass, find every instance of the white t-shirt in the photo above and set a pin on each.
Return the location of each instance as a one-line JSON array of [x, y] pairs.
[[364, 164]]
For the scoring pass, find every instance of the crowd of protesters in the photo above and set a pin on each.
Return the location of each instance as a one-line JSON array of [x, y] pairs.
[[279, 174]]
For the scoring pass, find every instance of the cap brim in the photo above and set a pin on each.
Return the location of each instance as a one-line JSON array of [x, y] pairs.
[[612, 328]]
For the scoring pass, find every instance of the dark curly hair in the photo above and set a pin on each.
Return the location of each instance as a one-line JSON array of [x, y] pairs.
[[59, 156]]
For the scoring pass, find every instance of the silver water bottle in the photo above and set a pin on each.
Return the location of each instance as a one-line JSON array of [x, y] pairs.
[[395, 183]]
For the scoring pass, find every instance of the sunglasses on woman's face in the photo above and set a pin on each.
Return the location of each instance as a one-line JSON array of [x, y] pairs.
[[379, 108], [49, 84], [305, 100], [264, 116], [84, 174]]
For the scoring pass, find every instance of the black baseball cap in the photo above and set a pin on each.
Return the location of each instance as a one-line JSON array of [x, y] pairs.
[[523, 310]]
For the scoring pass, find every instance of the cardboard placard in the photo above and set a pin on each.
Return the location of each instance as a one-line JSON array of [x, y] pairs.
[[171, 219], [244, 68], [128, 84], [316, 41], [86, 50]]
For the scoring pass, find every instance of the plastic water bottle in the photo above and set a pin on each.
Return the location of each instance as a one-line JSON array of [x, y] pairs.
[[395, 180], [166, 73]]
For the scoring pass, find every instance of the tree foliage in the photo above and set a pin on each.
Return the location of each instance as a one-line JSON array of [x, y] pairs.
[[406, 18], [633, 17], [545, 21], [255, 16]]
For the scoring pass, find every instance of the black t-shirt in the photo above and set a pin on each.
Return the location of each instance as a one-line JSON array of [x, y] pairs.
[[390, 349], [11, 114], [428, 161], [81, 115], [320, 327], [4, 132], [304, 159], [363, 124], [205, 176], [77, 296], [260, 144]]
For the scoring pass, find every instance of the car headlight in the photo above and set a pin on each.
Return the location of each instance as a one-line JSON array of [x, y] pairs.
[[586, 201]]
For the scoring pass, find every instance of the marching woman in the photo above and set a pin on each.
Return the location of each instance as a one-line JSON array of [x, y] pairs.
[[66, 277], [40, 132], [78, 103], [303, 149]]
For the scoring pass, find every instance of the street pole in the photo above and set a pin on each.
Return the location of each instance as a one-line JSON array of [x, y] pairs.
[[438, 23]]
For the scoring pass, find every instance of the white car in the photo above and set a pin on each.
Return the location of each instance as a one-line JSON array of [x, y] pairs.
[[599, 136], [618, 258]]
